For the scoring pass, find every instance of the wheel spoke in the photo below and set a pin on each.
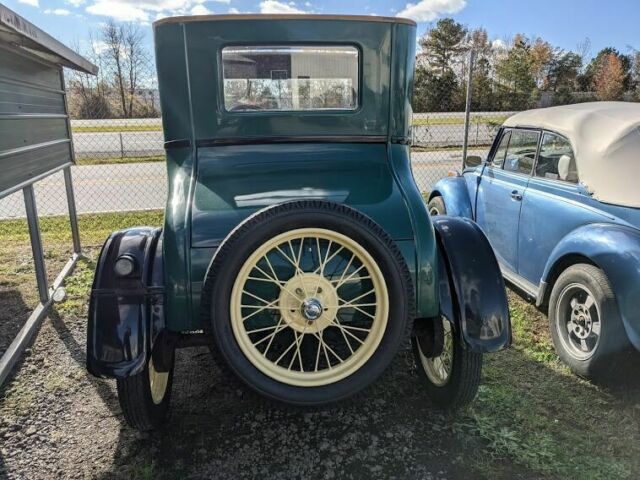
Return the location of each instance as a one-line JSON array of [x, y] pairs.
[[271, 336], [589, 302], [350, 276], [346, 332], [595, 328], [293, 344], [257, 297], [353, 300], [574, 302], [263, 329], [356, 329], [260, 309], [583, 345]]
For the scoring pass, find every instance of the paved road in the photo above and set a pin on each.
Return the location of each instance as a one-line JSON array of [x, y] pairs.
[[142, 186]]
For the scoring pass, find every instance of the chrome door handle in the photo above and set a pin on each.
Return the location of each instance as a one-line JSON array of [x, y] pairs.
[[516, 195]]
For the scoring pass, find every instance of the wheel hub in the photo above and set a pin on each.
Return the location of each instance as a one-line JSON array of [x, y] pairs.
[[581, 320], [308, 302], [312, 308]]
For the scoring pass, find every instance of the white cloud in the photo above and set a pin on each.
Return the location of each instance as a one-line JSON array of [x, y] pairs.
[[200, 10], [234, 10], [428, 10], [145, 10], [274, 6], [74, 3], [58, 11], [226, 2], [33, 3], [119, 10]]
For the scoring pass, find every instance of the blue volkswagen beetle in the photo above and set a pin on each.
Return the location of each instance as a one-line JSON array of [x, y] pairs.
[[559, 199]]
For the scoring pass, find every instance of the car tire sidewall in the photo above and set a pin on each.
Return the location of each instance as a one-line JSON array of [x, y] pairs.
[[436, 204], [250, 239], [612, 336]]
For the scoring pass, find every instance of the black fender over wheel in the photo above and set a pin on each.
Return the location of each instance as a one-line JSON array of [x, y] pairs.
[[308, 302]]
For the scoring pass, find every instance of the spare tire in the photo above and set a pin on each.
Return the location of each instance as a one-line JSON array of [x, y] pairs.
[[308, 301]]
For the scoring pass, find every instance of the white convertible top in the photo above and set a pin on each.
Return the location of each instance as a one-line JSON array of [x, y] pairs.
[[605, 137]]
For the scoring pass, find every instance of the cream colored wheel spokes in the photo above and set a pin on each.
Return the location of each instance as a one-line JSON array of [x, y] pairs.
[[158, 383], [309, 307], [438, 369]]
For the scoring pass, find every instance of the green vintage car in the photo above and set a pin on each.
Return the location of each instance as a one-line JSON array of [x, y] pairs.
[[296, 244]]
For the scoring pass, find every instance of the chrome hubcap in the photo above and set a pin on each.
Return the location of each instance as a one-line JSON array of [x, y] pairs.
[[578, 321], [312, 308]]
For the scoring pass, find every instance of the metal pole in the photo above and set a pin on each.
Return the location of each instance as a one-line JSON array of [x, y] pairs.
[[36, 243], [73, 214], [467, 108]]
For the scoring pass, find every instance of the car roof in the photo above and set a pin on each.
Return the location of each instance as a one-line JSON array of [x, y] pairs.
[[349, 18], [605, 137]]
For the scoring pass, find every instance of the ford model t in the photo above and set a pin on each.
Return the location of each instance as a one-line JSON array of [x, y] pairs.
[[295, 242]]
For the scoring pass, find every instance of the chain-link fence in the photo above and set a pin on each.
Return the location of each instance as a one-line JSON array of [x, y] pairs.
[[120, 161]]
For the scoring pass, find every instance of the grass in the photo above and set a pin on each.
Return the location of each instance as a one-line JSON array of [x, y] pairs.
[[531, 413], [112, 160]]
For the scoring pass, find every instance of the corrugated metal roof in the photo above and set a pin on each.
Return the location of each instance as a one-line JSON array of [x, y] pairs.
[[18, 32]]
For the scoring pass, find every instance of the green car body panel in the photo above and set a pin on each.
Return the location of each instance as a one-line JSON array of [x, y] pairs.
[[223, 166]]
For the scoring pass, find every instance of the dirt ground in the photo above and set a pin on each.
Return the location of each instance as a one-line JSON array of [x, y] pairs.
[[57, 421], [532, 418]]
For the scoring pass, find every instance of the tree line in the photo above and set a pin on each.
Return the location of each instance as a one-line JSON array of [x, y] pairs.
[[518, 74], [515, 75]]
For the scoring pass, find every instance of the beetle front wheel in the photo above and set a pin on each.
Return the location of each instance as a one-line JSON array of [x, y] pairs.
[[310, 302], [452, 372]]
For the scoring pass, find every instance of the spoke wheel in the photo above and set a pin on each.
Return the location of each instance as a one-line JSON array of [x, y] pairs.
[[308, 302], [158, 382], [438, 369], [309, 307]]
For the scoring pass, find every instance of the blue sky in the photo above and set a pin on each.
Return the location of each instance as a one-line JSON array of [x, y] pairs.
[[564, 23]]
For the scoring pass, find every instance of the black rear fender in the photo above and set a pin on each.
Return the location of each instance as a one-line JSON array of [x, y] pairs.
[[472, 291], [126, 312]]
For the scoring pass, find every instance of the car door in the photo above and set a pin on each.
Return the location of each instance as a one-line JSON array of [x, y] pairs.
[[554, 205], [501, 190]]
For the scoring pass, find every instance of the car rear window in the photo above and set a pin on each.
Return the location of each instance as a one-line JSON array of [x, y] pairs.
[[290, 78]]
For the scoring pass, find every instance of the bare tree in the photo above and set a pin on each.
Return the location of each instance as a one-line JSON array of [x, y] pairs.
[[124, 56]]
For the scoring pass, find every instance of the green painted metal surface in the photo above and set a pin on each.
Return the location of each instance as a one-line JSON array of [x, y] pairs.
[[231, 164]]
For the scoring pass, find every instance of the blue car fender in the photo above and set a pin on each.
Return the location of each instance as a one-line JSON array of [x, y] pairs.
[[616, 250], [455, 195], [472, 290]]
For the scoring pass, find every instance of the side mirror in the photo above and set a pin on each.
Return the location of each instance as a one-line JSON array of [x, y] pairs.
[[472, 161]]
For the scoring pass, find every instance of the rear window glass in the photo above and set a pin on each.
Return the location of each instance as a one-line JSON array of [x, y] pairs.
[[290, 78]]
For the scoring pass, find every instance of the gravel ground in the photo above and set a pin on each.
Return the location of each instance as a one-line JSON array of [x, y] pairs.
[[56, 421]]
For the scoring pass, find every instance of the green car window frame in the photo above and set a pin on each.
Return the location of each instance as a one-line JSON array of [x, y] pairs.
[[301, 84]]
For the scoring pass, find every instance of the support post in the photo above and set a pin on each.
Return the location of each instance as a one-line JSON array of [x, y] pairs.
[[36, 243], [73, 215], [467, 108]]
